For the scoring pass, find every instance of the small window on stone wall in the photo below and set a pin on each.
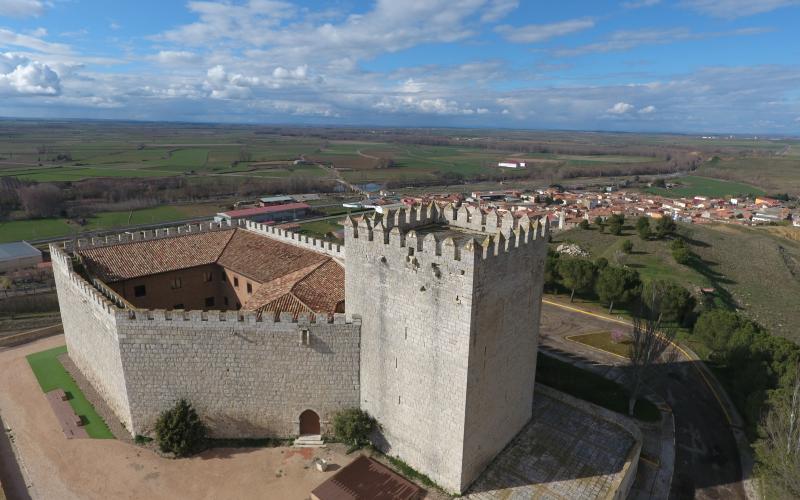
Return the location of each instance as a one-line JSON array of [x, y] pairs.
[[236, 282], [209, 301], [225, 300], [139, 291], [249, 287], [176, 283], [305, 337]]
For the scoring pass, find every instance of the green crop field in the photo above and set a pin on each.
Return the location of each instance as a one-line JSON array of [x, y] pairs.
[[754, 269], [703, 186], [51, 375], [52, 228]]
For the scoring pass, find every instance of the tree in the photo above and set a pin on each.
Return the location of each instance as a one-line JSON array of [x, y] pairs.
[[576, 275], [615, 223], [179, 430], [665, 227], [643, 228], [680, 252], [551, 276], [778, 451], [716, 328], [598, 221], [676, 303], [584, 224], [627, 246], [617, 285], [650, 343], [353, 426], [43, 200]]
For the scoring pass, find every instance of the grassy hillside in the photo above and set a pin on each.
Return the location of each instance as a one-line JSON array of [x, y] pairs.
[[692, 185], [754, 269]]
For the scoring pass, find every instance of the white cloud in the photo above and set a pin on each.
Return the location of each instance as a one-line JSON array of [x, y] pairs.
[[20, 75], [731, 9], [638, 4], [533, 33], [8, 37], [173, 57], [621, 108], [647, 110], [498, 9], [630, 39], [21, 8]]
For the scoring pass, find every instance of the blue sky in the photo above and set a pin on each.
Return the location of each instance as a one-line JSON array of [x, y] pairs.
[[636, 65]]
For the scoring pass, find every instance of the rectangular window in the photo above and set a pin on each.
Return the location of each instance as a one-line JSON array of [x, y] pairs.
[[305, 337], [225, 300], [176, 283], [209, 301], [139, 291], [249, 287], [224, 277], [236, 281], [207, 276]]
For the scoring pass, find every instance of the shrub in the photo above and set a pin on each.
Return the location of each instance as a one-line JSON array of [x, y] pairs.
[[584, 224], [680, 252], [179, 430], [353, 426], [627, 246]]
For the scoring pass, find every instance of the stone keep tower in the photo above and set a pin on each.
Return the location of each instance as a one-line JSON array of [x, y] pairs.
[[450, 302]]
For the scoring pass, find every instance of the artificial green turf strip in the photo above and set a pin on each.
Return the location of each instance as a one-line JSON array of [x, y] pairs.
[[51, 375]]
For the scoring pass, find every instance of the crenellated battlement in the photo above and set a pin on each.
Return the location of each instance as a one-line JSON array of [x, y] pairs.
[[486, 233], [90, 293], [240, 317], [333, 249], [151, 234]]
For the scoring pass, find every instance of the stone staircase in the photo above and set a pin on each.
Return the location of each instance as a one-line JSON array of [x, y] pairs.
[[309, 441]]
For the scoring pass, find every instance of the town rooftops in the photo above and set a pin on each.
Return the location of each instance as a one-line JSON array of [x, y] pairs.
[[288, 278], [250, 212], [18, 250], [365, 478]]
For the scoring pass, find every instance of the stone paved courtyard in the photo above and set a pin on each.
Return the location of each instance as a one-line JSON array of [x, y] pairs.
[[563, 453]]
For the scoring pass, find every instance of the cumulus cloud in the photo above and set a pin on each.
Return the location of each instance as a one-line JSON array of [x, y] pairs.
[[498, 9], [20, 75], [21, 8], [172, 57], [731, 9], [647, 110], [533, 33], [638, 4], [621, 108]]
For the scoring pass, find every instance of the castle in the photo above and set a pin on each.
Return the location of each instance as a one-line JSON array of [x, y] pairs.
[[427, 318]]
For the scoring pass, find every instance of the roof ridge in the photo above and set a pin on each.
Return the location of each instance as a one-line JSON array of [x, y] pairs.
[[311, 271], [225, 247]]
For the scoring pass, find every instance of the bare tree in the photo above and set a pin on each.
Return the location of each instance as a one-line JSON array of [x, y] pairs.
[[43, 200], [651, 343], [779, 449]]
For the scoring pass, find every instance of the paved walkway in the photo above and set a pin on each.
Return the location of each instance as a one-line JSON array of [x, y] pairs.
[[564, 453], [706, 454]]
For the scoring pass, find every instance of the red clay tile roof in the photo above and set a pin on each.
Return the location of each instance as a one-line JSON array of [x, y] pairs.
[[366, 478], [290, 278], [141, 258]]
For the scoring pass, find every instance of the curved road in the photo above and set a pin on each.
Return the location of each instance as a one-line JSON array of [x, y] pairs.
[[707, 461]]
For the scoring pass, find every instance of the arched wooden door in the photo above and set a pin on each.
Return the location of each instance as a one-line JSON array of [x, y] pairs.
[[309, 423]]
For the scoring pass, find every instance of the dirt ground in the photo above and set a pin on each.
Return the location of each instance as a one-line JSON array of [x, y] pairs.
[[57, 467]]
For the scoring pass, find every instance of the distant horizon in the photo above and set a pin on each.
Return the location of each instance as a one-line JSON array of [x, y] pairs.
[[717, 134], [669, 66]]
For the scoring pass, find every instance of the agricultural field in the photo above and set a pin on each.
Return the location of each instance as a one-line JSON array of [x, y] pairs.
[[754, 269], [778, 173], [53, 228], [692, 185]]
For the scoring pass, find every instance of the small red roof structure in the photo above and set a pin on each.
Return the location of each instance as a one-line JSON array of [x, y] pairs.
[[367, 479]]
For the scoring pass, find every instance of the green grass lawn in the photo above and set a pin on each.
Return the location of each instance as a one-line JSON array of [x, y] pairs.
[[692, 185], [51, 375], [590, 387], [602, 341], [32, 229]]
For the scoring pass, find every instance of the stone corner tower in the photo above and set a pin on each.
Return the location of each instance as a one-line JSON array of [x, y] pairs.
[[450, 301]]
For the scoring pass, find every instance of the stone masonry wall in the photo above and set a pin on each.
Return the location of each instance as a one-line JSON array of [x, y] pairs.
[[90, 330], [246, 378]]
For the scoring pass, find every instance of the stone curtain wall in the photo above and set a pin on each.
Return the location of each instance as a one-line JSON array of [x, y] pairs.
[[90, 330], [245, 378]]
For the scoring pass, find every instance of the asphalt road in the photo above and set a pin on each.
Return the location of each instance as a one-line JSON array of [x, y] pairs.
[[706, 456]]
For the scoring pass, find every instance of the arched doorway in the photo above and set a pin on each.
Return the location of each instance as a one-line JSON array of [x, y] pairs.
[[309, 423]]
